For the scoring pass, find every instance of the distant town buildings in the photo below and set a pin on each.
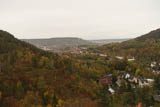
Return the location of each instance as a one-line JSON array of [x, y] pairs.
[[119, 57], [131, 59], [103, 55]]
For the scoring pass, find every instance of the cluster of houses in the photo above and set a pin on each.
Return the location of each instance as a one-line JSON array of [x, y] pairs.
[[72, 50], [132, 80], [129, 59]]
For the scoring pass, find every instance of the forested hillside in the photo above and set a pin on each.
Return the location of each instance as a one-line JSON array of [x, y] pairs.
[[9, 43], [145, 48], [30, 77], [155, 34]]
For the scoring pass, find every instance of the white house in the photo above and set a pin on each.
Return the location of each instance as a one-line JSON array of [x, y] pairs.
[[146, 82], [150, 81], [153, 64], [111, 90], [143, 83], [119, 57], [127, 76], [131, 59], [103, 55]]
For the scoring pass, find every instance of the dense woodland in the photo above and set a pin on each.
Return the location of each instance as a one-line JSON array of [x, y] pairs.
[[30, 77]]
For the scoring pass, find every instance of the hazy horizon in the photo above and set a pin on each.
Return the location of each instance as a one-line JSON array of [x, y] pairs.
[[77, 37], [86, 19]]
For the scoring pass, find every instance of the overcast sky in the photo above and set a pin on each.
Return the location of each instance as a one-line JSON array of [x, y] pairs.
[[87, 19]]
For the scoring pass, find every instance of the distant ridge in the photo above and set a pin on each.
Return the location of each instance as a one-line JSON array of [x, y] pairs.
[[106, 41], [58, 43]]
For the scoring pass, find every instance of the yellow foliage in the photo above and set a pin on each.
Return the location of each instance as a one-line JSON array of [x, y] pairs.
[[138, 71], [19, 84], [60, 103]]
